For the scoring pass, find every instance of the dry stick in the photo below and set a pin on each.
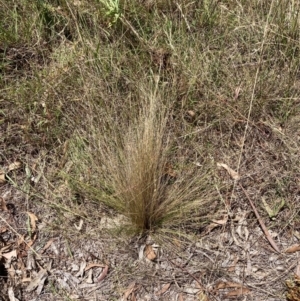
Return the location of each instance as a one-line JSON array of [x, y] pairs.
[[269, 237]]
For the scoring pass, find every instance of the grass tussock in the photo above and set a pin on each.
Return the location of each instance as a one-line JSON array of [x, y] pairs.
[[133, 164]]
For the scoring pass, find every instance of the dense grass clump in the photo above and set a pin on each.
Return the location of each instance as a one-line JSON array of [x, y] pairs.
[[130, 168]]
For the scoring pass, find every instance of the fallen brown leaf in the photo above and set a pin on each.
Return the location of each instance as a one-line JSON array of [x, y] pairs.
[[293, 249], [163, 289], [234, 175], [103, 274], [149, 253]]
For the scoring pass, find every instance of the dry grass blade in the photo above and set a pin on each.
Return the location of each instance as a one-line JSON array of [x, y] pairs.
[[264, 228]]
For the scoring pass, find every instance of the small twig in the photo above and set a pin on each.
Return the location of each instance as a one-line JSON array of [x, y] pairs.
[[264, 228]]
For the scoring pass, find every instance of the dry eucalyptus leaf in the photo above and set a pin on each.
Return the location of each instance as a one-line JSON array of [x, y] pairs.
[[234, 175], [293, 249], [163, 289], [103, 274]]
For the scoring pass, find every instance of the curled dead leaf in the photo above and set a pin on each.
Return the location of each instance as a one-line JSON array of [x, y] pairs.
[[234, 175], [149, 253], [103, 274]]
